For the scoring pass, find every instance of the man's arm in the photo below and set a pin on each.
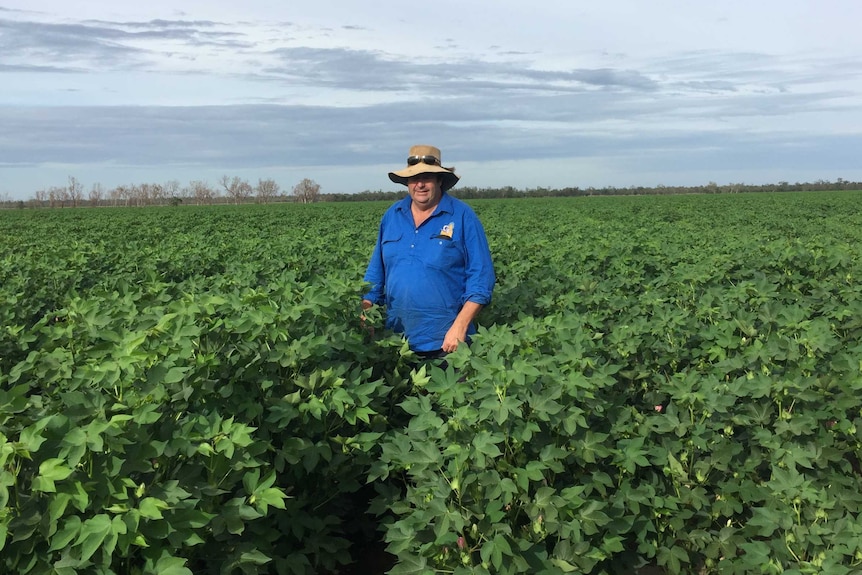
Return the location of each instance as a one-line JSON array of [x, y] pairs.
[[375, 273], [458, 332], [480, 267]]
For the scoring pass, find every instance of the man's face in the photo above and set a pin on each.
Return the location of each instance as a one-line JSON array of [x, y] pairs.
[[424, 189]]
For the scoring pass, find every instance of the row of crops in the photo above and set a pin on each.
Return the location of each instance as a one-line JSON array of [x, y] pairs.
[[664, 381]]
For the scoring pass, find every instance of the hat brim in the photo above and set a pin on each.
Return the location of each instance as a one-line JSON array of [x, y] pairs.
[[449, 177]]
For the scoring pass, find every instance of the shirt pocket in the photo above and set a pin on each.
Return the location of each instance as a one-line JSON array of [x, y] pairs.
[[445, 254], [389, 247]]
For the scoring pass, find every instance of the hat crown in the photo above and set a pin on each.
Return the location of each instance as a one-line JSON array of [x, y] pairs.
[[423, 150], [414, 168]]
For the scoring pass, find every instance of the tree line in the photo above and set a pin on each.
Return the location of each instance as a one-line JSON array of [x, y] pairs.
[[468, 192], [235, 190]]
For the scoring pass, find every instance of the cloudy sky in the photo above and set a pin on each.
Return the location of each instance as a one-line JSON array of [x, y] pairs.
[[543, 93]]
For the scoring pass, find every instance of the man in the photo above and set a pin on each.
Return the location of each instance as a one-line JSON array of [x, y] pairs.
[[431, 265]]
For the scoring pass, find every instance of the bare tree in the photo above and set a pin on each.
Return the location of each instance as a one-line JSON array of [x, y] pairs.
[[266, 190], [140, 194], [41, 197], [236, 188], [157, 193], [307, 191], [96, 194], [74, 191], [148, 194], [119, 193], [172, 190], [62, 195], [57, 195], [201, 192]]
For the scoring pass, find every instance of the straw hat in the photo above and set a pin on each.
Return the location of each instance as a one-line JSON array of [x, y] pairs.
[[425, 160]]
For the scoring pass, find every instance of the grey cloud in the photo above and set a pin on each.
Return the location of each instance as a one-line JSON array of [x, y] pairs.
[[35, 68], [352, 69], [258, 138], [248, 136], [709, 86], [367, 70], [130, 44], [603, 77], [703, 61], [104, 44], [157, 24], [724, 71], [527, 113], [60, 42], [192, 32]]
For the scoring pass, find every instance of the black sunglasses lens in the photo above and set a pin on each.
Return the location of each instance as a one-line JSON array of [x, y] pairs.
[[413, 160]]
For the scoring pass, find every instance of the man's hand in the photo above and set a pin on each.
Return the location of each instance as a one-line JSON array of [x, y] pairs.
[[453, 338], [366, 304], [458, 332]]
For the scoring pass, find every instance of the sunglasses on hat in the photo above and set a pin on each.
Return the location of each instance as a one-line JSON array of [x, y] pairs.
[[430, 160]]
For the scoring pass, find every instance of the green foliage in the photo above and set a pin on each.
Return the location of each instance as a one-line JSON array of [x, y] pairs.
[[664, 381]]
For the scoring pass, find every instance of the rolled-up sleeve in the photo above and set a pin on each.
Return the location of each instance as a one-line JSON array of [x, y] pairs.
[[479, 266], [375, 274]]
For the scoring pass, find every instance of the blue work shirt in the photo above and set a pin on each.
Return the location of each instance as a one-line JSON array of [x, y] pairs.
[[425, 274]]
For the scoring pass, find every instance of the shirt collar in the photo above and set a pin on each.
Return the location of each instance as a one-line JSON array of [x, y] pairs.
[[445, 205]]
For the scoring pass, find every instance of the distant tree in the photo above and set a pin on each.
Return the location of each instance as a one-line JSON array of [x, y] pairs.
[[121, 194], [307, 191], [236, 188], [266, 190], [41, 197], [148, 194], [172, 190], [74, 192], [56, 196], [96, 194], [201, 192], [140, 194], [157, 193]]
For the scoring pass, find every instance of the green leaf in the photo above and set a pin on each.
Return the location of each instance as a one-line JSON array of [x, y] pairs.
[[485, 443], [50, 470], [676, 468], [564, 566], [57, 506], [411, 565], [71, 529], [31, 436], [93, 534], [254, 557], [271, 496], [54, 469], [764, 520], [250, 480], [151, 508], [167, 565], [673, 558]]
